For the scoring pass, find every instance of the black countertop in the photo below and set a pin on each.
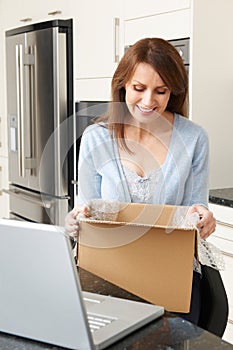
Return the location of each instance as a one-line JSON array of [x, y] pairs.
[[167, 333], [222, 196]]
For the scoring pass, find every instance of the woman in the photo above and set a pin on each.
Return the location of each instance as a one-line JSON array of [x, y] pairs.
[[145, 149]]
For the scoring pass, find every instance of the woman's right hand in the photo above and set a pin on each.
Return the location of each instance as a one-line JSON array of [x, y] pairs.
[[71, 220]]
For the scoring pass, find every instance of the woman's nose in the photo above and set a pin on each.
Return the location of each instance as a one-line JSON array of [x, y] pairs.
[[148, 99]]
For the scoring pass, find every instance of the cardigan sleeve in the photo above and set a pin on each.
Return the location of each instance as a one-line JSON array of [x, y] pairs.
[[100, 172], [196, 187], [89, 180]]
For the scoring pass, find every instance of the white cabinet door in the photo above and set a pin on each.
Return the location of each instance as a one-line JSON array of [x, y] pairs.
[[23, 12], [166, 19], [135, 9], [10, 13], [98, 46], [96, 38], [227, 280], [223, 239], [171, 25], [44, 10]]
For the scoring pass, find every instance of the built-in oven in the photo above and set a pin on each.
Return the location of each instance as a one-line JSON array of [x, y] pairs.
[[183, 47]]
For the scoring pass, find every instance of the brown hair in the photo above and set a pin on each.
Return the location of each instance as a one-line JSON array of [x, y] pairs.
[[166, 60]]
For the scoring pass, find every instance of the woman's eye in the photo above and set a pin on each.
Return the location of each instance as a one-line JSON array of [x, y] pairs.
[[161, 92], [138, 88]]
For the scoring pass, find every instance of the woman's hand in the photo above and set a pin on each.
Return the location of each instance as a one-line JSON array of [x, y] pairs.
[[207, 222], [71, 220]]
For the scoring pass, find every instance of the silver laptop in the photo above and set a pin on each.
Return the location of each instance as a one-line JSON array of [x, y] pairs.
[[41, 297]]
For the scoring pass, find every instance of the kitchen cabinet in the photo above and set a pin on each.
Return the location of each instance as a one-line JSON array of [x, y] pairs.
[[97, 39], [136, 9], [166, 19], [223, 239], [47, 10], [97, 31], [157, 26], [23, 12]]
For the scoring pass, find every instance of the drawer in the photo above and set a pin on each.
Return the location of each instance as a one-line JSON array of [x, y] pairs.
[[222, 213], [221, 242], [224, 231], [228, 282], [227, 249]]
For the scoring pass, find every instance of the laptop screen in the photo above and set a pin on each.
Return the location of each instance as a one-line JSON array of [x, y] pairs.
[[40, 294]]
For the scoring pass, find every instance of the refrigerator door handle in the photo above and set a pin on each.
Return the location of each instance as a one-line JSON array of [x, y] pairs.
[[20, 108], [15, 193], [29, 64]]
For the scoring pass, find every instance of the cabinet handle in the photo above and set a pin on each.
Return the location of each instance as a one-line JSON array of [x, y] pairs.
[[26, 19], [116, 39], [55, 12], [227, 254], [224, 223]]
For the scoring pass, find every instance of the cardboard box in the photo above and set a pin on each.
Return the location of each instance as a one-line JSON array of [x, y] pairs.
[[147, 251]]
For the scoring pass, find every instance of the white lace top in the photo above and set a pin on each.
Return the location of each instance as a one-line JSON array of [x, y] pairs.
[[141, 189]]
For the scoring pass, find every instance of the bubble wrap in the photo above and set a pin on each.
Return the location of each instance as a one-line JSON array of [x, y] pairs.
[[106, 210], [208, 254]]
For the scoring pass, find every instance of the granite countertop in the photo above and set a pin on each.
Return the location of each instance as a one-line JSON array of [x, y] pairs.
[[167, 333], [222, 196]]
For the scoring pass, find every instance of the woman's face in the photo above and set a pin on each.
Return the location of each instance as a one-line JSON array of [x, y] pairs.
[[147, 95]]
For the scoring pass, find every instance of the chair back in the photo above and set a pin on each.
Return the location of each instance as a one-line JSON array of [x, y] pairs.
[[214, 303]]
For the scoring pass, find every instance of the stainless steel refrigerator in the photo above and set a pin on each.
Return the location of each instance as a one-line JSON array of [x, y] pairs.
[[39, 62]]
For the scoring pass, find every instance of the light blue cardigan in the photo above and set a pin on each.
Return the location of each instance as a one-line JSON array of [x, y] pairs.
[[183, 178]]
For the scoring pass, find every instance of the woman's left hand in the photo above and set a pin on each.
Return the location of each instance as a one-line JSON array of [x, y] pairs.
[[207, 222]]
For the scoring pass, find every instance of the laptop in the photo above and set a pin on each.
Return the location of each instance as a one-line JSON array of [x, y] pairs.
[[41, 296]]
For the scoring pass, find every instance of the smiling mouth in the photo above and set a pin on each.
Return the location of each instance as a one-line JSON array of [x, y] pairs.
[[146, 110]]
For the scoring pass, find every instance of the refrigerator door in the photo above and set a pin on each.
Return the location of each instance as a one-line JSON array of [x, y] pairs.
[[15, 47], [37, 110]]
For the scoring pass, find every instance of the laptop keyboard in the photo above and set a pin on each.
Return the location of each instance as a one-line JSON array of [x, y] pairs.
[[98, 321]]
